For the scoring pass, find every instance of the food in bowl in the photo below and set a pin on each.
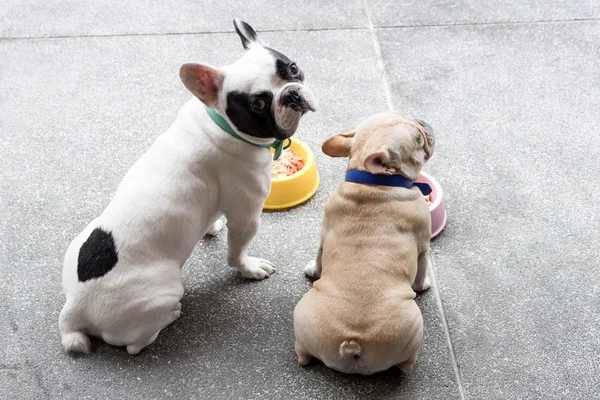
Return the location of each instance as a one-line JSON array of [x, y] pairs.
[[290, 191], [428, 200], [288, 164]]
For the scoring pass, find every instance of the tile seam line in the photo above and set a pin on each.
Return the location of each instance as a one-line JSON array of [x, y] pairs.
[[436, 291], [108, 35], [446, 329], [491, 23], [380, 62], [353, 28]]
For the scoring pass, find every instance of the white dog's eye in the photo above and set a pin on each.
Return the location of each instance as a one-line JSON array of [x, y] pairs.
[[419, 139], [258, 105], [293, 69]]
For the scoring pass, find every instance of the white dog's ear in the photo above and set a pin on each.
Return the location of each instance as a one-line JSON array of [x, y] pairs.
[[338, 145], [203, 81], [246, 33], [379, 162]]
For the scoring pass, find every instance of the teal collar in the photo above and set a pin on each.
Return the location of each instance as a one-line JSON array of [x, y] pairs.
[[278, 145]]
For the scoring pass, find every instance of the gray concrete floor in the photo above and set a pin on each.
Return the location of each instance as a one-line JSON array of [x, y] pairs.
[[512, 90]]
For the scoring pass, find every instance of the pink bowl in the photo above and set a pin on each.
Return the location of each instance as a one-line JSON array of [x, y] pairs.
[[437, 209]]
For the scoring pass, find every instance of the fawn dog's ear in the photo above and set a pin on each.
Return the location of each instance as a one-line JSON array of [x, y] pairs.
[[338, 145]]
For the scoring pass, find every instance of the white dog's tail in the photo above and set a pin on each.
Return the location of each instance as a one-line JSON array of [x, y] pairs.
[[350, 349], [73, 340]]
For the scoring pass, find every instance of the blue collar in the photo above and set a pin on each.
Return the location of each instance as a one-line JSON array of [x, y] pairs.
[[356, 176]]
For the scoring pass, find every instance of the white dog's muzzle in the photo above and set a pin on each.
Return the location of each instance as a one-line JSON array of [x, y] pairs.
[[291, 103]]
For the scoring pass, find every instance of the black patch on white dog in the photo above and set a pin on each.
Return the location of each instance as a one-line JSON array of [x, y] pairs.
[[283, 67], [260, 124], [97, 255]]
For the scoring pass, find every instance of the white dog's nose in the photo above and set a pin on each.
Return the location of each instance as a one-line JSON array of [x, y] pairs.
[[298, 97], [291, 98]]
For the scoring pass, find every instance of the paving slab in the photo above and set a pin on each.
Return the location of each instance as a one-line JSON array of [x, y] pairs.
[[35, 18], [516, 111], [454, 12], [74, 115]]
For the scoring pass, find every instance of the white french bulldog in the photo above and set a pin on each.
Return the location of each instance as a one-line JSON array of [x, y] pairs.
[[121, 275]]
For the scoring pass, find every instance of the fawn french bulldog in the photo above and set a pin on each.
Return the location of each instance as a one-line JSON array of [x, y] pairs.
[[360, 316]]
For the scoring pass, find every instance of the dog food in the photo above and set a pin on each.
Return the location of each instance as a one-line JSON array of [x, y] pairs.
[[288, 164], [428, 200]]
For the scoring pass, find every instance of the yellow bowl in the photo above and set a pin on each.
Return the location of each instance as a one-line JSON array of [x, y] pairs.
[[295, 189]]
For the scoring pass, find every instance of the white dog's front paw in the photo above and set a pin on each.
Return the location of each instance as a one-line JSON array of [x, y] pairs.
[[256, 268], [215, 228], [310, 269], [421, 288]]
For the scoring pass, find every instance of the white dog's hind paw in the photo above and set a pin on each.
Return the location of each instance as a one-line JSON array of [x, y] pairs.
[[421, 288], [216, 228], [134, 349], [256, 268], [176, 313], [310, 269]]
